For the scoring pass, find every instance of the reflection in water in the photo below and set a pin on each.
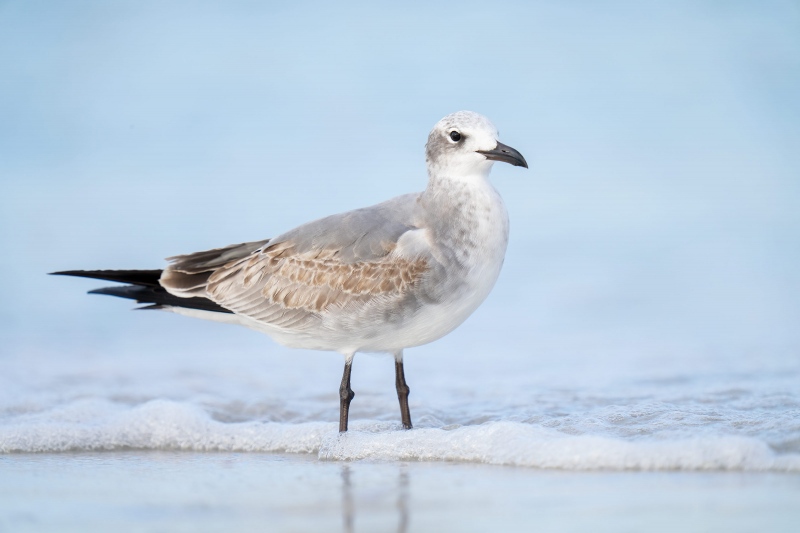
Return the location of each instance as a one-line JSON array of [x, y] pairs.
[[402, 501], [349, 507], [348, 512]]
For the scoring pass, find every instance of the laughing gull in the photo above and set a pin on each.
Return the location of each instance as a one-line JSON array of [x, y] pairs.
[[379, 279]]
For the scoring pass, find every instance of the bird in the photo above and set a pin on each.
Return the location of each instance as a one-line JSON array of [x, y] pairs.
[[380, 279]]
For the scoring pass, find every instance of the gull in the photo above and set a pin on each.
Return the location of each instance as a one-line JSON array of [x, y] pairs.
[[380, 279]]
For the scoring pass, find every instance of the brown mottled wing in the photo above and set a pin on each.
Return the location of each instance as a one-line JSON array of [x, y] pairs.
[[339, 261], [188, 274], [286, 288]]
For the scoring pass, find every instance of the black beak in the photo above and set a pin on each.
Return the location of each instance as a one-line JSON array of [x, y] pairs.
[[506, 154]]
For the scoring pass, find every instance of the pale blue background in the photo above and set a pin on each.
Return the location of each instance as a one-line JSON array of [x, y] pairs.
[[657, 225]]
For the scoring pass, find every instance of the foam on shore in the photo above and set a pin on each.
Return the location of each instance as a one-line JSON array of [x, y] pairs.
[[91, 424]]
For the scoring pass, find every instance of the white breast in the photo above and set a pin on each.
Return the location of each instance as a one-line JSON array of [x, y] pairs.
[[468, 243]]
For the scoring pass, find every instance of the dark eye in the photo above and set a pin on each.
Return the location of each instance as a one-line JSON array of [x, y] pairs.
[[455, 136]]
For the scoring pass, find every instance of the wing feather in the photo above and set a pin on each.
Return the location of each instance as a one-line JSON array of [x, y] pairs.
[[289, 289], [344, 261], [188, 274]]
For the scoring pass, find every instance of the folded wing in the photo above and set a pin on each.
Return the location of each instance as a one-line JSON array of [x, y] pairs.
[[294, 280]]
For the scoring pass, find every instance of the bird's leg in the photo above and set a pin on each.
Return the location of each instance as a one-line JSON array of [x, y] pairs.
[[402, 389], [346, 394]]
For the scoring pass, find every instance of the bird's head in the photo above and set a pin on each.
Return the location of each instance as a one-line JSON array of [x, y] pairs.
[[465, 143]]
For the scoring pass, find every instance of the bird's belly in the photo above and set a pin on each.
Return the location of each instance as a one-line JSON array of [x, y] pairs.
[[434, 321]]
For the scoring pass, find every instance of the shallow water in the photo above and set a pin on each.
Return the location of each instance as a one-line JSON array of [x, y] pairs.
[[178, 491], [735, 420]]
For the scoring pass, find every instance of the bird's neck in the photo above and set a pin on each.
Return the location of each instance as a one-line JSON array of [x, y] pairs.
[[465, 209], [452, 193], [469, 217]]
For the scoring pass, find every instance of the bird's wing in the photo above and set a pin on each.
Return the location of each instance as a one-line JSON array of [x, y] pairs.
[[291, 281], [359, 235], [188, 274]]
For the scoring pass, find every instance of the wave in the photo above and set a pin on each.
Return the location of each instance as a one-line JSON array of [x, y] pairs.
[[88, 425]]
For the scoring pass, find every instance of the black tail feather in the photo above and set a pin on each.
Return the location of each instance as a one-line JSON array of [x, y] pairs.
[[145, 278], [144, 288]]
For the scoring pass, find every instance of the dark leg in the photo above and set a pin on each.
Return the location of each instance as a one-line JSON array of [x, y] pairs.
[[346, 394], [402, 391]]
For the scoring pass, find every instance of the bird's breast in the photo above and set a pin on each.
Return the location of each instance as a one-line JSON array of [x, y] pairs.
[[469, 236]]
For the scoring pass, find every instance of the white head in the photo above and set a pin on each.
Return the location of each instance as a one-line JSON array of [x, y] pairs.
[[465, 143]]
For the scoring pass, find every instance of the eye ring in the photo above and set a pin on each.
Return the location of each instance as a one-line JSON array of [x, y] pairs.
[[455, 136]]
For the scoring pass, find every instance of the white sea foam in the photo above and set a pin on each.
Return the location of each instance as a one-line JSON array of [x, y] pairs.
[[159, 424], [516, 444], [93, 424]]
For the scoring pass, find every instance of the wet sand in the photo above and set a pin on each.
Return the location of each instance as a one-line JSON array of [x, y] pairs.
[[184, 491]]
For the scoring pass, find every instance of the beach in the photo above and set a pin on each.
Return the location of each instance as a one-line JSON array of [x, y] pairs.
[[179, 491]]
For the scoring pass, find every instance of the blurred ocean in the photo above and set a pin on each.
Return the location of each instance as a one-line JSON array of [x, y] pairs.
[[647, 315]]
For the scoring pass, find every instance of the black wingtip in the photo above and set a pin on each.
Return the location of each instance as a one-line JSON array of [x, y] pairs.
[[144, 287], [158, 298], [144, 278], [108, 291]]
